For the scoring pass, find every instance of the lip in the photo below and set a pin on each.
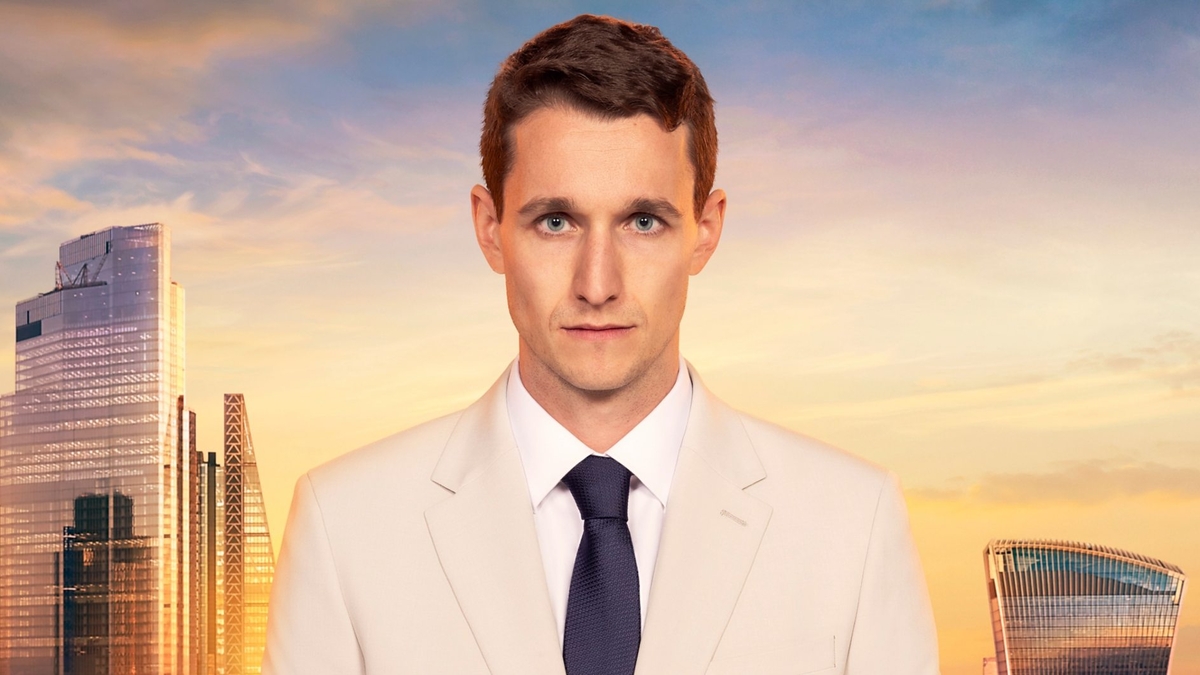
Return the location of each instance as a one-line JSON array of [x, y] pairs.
[[597, 332]]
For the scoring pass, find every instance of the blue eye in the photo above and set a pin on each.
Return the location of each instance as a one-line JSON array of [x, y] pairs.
[[555, 223], [644, 223]]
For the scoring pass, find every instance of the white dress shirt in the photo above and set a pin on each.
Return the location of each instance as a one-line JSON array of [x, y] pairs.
[[548, 451]]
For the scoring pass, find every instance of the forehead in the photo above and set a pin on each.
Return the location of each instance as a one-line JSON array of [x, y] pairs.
[[562, 151]]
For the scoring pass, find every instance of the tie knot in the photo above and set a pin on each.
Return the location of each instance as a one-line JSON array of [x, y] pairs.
[[600, 486]]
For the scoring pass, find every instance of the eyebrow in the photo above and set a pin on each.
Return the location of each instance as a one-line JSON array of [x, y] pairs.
[[546, 205], [565, 205], [655, 206]]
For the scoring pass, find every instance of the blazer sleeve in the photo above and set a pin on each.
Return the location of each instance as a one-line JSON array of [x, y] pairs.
[[308, 625], [893, 627]]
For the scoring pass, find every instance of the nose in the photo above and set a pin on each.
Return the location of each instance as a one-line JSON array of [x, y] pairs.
[[598, 271]]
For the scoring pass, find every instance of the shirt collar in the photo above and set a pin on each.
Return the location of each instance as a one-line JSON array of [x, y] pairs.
[[548, 451]]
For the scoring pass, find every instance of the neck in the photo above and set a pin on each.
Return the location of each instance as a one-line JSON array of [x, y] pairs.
[[600, 418]]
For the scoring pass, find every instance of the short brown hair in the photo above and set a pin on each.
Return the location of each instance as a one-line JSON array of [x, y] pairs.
[[606, 67]]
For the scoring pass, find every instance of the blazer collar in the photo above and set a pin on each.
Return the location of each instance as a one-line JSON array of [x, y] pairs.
[[714, 430], [487, 544], [482, 433]]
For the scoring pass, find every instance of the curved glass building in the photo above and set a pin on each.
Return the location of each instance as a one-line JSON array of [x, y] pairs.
[[1069, 607]]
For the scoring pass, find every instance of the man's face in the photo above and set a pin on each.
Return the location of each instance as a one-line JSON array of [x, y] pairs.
[[597, 240]]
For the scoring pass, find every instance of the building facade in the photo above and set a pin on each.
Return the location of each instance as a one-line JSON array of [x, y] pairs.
[[1068, 607]]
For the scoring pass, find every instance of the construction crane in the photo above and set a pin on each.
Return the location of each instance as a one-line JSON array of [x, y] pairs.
[[83, 278]]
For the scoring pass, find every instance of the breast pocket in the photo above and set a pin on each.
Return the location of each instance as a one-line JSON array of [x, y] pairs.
[[795, 657]]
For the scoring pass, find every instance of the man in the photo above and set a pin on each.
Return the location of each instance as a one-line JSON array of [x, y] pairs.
[[598, 511]]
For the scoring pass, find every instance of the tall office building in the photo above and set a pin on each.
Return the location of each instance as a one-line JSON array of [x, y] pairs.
[[1067, 607], [249, 558], [95, 491], [212, 565]]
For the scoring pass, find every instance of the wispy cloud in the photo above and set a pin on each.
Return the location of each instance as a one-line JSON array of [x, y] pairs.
[[1172, 358], [1082, 482], [106, 87]]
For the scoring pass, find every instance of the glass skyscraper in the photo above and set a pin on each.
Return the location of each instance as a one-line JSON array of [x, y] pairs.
[[1066, 607], [212, 565], [249, 558], [95, 509]]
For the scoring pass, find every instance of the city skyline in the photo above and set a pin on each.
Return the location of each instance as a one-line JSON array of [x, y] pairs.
[[960, 240], [123, 547]]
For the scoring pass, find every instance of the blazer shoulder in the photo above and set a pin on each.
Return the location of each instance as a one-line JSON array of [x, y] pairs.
[[821, 493], [794, 455], [392, 461]]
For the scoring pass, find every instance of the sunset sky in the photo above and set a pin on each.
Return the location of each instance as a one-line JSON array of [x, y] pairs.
[[963, 237]]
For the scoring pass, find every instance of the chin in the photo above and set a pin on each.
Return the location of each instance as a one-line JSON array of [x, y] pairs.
[[597, 377]]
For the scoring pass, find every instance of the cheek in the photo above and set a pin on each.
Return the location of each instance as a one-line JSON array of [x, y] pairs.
[[663, 287], [532, 289]]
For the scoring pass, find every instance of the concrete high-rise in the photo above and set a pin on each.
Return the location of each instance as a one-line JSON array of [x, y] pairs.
[[1067, 607], [97, 485]]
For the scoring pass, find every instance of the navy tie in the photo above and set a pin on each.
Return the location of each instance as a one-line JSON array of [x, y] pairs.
[[604, 620]]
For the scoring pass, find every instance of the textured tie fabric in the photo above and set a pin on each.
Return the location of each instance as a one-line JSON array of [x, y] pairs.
[[603, 626]]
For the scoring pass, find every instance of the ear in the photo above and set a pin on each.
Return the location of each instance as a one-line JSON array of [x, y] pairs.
[[487, 227], [708, 230]]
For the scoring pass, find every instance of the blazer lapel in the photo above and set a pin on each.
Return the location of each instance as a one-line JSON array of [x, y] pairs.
[[711, 532], [487, 543]]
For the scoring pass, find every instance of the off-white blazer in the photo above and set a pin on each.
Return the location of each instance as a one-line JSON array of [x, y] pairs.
[[779, 555]]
